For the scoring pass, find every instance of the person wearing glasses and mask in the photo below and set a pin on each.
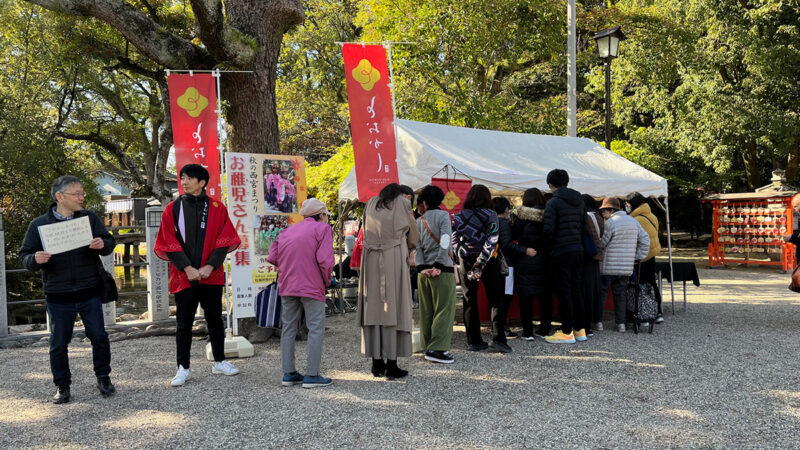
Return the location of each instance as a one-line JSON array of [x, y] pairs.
[[72, 286]]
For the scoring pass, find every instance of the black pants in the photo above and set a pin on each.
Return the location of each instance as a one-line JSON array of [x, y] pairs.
[[594, 293], [186, 301], [619, 289], [494, 284], [545, 300], [62, 320], [648, 275], [566, 272]]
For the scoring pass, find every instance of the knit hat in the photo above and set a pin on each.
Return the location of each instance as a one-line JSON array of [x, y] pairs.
[[610, 203], [312, 207]]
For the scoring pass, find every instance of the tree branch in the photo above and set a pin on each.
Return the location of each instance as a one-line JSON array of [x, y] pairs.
[[211, 23], [113, 148], [143, 32]]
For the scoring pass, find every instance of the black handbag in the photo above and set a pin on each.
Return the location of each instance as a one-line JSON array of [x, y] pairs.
[[110, 292]]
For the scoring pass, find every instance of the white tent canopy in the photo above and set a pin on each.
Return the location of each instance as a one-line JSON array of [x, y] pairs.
[[508, 163]]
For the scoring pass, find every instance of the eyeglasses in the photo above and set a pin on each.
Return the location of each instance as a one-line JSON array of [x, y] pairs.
[[76, 194]]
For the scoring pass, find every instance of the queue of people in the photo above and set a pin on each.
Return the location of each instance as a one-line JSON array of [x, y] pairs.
[[564, 247]]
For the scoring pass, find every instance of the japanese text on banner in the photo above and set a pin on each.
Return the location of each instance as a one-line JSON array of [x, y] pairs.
[[371, 118]]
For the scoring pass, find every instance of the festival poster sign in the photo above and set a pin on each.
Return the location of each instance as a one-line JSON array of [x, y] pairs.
[[455, 192], [264, 196], [371, 118], [193, 102]]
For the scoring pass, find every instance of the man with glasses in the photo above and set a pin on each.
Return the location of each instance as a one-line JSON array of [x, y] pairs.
[[303, 254], [72, 286]]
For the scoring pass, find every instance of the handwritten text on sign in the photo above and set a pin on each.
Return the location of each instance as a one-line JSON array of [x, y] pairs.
[[65, 236]]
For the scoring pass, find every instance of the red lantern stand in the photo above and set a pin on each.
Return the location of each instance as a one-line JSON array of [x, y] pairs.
[[750, 227]]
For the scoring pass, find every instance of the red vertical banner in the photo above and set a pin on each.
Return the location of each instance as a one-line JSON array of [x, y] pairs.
[[455, 192], [193, 103], [371, 117]]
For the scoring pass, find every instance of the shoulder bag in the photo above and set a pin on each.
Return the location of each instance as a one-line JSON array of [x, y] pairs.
[[110, 292]]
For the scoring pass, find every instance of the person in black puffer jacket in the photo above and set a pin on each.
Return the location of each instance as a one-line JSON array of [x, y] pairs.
[[72, 285], [529, 271], [564, 224]]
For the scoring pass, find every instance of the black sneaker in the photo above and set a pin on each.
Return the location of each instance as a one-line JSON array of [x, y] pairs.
[[438, 356], [510, 334], [62, 395], [501, 347], [105, 387]]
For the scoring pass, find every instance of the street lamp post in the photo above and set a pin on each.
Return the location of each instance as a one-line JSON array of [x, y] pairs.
[[608, 47]]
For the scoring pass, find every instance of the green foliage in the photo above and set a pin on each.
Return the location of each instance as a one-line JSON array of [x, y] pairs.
[[312, 100], [324, 179], [711, 83], [474, 63]]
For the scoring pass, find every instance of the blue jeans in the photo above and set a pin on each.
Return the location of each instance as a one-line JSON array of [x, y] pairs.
[[62, 320]]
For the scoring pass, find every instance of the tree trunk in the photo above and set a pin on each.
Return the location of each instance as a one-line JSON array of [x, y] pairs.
[[251, 112], [793, 162], [750, 157]]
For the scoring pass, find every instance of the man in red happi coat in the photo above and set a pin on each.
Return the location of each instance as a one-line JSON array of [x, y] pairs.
[[195, 236]]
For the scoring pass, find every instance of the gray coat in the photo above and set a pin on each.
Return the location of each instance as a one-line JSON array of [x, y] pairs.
[[624, 241]]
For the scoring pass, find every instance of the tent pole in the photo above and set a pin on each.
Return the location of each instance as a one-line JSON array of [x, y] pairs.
[[671, 272], [339, 293]]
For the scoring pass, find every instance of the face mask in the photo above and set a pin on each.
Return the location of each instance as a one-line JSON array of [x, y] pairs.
[[627, 209]]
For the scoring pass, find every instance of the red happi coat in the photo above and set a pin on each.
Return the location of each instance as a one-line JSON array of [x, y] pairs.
[[219, 233]]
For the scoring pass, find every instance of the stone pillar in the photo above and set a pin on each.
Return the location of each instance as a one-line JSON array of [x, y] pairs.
[[157, 269], [3, 298], [109, 309]]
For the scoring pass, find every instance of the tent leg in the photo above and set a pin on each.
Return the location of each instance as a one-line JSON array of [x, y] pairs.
[[339, 293], [669, 246]]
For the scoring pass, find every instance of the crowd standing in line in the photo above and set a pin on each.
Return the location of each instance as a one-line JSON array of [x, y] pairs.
[[564, 246]]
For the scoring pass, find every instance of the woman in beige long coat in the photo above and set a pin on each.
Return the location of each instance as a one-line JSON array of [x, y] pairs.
[[384, 286]]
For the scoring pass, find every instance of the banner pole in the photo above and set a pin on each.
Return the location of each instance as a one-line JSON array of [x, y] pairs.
[[388, 46], [224, 189]]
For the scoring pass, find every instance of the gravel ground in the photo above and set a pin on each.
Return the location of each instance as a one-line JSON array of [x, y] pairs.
[[724, 374]]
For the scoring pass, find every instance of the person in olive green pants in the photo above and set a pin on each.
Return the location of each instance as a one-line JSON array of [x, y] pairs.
[[436, 279], [437, 309]]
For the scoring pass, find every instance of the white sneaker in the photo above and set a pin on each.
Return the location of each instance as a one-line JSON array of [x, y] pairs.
[[598, 326], [620, 327], [660, 319], [224, 367], [181, 376]]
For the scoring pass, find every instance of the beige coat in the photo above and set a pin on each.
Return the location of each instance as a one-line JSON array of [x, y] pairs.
[[384, 285]]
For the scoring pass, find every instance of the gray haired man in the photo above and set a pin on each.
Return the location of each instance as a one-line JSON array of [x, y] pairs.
[[72, 285]]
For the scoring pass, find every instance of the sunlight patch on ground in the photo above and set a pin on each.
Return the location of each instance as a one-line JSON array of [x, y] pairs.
[[147, 419], [680, 414], [591, 352], [597, 359], [24, 411], [351, 375], [37, 376], [340, 396], [783, 395]]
